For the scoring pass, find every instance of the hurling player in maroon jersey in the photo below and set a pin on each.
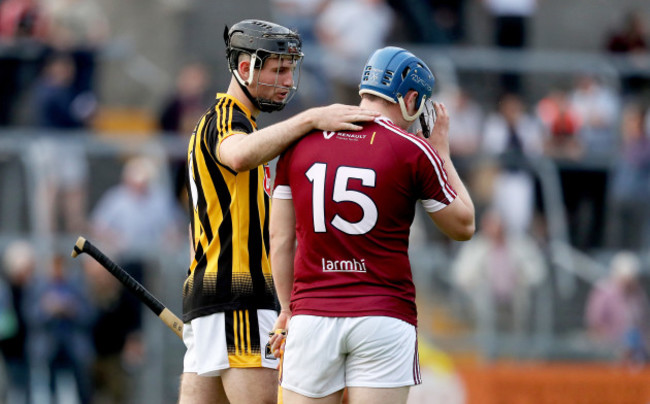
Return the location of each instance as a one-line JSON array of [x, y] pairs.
[[348, 199]]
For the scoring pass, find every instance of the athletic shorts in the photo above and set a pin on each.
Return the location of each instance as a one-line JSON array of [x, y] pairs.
[[231, 339], [325, 354]]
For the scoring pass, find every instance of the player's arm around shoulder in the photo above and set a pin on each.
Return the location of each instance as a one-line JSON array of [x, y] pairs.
[[243, 152], [282, 229], [457, 220]]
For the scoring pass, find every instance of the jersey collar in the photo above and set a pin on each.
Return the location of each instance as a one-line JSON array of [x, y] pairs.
[[240, 105]]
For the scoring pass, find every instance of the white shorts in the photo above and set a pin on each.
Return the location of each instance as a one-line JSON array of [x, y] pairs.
[[325, 354], [231, 339]]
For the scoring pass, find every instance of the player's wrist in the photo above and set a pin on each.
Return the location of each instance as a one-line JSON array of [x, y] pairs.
[[307, 120]]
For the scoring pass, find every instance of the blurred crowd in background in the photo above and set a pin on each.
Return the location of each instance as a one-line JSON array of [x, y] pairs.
[[560, 177]]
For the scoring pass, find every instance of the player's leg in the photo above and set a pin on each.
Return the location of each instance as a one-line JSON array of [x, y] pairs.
[[382, 361], [359, 395], [197, 389], [294, 398], [230, 345], [251, 385], [252, 376], [206, 354]]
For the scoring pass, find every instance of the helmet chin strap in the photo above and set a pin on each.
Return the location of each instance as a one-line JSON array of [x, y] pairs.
[[243, 84], [250, 97], [405, 114]]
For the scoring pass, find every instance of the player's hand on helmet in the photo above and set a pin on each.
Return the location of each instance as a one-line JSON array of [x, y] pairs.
[[337, 117], [439, 137], [278, 334]]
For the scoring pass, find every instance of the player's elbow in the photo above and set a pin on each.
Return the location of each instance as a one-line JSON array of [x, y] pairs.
[[240, 162], [456, 221], [282, 245], [466, 226], [235, 154], [464, 232], [241, 165]]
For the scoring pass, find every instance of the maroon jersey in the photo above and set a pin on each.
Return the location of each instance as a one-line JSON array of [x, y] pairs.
[[355, 195]]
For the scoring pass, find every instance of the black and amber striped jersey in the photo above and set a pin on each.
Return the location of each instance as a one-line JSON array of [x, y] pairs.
[[230, 269]]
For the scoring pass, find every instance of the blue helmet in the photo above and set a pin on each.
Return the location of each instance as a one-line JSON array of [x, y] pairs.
[[391, 72]]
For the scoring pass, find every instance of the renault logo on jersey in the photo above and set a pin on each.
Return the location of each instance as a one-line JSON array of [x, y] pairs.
[[343, 136]]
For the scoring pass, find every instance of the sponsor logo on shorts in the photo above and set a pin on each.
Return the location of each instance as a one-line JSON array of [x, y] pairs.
[[344, 265]]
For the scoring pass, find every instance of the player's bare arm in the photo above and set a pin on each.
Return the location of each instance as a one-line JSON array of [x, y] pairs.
[[456, 220], [245, 152], [282, 227]]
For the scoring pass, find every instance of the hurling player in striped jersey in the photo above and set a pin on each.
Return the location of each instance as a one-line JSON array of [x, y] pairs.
[[229, 302]]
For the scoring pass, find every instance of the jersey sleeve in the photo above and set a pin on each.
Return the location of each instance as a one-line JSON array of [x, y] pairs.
[[219, 128], [282, 188], [435, 191]]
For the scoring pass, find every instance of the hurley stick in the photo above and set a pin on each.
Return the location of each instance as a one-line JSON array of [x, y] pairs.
[[169, 318]]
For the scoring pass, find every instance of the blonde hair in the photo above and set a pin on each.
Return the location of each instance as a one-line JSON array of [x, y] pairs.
[[18, 256], [625, 265]]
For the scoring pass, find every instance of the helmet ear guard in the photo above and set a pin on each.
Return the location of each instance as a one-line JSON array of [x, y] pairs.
[[251, 70], [391, 72]]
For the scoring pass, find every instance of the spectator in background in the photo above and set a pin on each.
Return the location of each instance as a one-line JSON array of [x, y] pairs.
[[632, 36], [302, 16], [56, 103], [631, 39], [80, 29], [597, 108], [19, 261], [59, 340], [631, 182], [116, 331], [511, 19], [499, 270], [299, 15], [23, 29], [465, 129], [137, 217], [189, 100], [561, 123], [21, 19], [513, 136], [437, 22], [584, 189], [58, 111], [346, 29], [180, 113], [618, 312], [449, 18]]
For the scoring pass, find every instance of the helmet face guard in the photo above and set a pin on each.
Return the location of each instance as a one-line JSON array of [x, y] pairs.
[[262, 41], [264, 104], [391, 72]]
